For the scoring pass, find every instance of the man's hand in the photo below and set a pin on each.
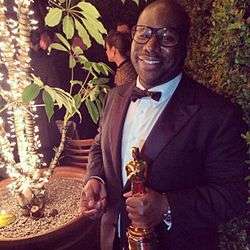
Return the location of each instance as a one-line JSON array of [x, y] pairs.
[[146, 210], [94, 199]]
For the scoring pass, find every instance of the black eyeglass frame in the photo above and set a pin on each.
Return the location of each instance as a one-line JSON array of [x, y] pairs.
[[154, 31]]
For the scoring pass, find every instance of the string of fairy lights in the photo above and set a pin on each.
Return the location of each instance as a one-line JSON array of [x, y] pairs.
[[21, 119]]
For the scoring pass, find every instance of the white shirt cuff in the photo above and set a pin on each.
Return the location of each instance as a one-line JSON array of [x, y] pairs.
[[97, 178]]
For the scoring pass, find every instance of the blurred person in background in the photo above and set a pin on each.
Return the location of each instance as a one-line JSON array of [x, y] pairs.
[[123, 27], [117, 45]]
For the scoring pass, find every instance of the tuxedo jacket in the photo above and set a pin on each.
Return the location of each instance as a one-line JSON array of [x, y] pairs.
[[195, 155]]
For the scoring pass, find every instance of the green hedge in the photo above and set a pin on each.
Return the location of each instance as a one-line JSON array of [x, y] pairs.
[[219, 53]]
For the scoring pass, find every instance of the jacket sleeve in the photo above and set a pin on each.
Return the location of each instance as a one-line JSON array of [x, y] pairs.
[[95, 162]]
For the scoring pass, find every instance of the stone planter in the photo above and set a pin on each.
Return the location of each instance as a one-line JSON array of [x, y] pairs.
[[78, 233]]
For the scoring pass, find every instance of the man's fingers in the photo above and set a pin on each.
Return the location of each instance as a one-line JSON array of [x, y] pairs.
[[103, 193], [91, 203], [138, 221], [128, 194], [132, 210], [137, 202], [101, 204], [93, 200], [139, 225], [92, 214], [89, 212], [137, 211], [89, 195]]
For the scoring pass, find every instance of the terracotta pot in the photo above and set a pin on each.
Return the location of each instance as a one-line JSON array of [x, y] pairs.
[[72, 236]]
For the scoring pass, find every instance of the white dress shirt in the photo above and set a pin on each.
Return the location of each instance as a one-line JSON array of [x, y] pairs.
[[141, 117]]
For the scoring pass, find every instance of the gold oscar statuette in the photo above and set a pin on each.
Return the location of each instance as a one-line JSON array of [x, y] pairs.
[[139, 238]]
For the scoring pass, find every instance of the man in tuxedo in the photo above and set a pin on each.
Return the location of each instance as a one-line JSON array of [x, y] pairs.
[[189, 136]]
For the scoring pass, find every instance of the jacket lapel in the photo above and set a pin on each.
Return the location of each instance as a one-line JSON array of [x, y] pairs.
[[177, 113], [119, 109]]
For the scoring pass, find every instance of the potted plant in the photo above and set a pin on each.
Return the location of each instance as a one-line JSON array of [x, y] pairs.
[[28, 177]]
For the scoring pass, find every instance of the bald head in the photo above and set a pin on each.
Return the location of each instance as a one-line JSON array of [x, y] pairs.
[[171, 13]]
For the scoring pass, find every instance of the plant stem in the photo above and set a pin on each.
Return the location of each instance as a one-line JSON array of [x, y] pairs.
[[76, 15], [77, 11], [85, 81], [55, 4], [72, 78], [60, 148]]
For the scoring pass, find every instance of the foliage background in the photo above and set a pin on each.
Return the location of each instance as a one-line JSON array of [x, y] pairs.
[[219, 53]]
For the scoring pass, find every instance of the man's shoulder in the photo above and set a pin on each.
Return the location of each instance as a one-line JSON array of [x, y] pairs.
[[212, 101], [207, 96], [121, 90]]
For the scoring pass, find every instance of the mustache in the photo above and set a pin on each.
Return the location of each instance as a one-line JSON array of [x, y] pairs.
[[151, 55]]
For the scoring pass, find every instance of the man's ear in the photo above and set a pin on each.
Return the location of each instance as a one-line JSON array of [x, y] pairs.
[[113, 50]]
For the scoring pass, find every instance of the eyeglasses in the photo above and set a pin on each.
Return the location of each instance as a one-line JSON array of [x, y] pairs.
[[168, 37]]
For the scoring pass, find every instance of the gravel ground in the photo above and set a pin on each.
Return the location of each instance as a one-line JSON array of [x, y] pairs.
[[63, 195]]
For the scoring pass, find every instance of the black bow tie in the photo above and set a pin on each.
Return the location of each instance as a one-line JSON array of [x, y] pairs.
[[139, 93]]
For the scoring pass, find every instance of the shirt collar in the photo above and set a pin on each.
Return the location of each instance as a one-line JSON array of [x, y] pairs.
[[123, 62], [167, 89]]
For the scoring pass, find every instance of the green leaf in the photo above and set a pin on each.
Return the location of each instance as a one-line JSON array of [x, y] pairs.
[[93, 31], [77, 99], [68, 26], [82, 59], [100, 80], [92, 109], [77, 51], [51, 91], [30, 92], [246, 137], [53, 17], [136, 1], [63, 98], [99, 26], [87, 65], [57, 46], [247, 40], [93, 94], [99, 105], [96, 68], [76, 82], [105, 69], [49, 104], [72, 62], [37, 81], [89, 8], [102, 98], [82, 33], [63, 40]]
